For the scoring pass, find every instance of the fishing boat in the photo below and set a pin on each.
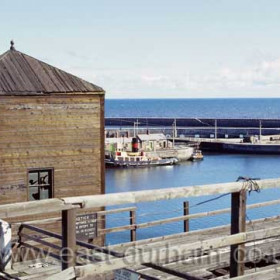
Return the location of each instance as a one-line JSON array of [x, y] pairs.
[[135, 159], [197, 155]]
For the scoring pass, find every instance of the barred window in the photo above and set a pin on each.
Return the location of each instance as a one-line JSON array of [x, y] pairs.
[[40, 184]]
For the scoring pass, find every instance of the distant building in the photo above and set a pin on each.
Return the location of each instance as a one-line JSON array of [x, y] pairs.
[[118, 143], [147, 142], [152, 142], [51, 132]]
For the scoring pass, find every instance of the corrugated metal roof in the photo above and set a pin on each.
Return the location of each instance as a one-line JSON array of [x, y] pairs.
[[118, 140], [21, 74], [151, 137]]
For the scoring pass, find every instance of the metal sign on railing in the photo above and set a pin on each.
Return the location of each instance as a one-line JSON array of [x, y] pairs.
[[86, 226]]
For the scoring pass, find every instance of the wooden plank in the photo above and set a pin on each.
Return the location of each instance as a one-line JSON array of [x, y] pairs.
[[174, 251], [218, 260], [116, 229], [107, 251], [166, 194], [67, 274], [173, 272], [68, 251], [116, 211], [33, 207], [238, 224], [132, 216], [37, 222], [268, 274]]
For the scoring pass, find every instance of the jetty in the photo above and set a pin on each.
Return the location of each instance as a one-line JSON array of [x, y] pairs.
[[194, 127], [244, 249]]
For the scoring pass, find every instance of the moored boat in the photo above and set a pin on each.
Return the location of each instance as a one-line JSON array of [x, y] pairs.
[[197, 155], [135, 159]]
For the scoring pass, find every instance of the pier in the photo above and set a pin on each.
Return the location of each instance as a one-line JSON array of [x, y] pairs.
[[244, 249], [194, 127]]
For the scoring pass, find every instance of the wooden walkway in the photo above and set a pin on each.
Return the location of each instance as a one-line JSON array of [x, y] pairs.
[[243, 250], [202, 264], [207, 264]]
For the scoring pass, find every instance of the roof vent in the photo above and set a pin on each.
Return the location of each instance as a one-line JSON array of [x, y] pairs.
[[12, 48]]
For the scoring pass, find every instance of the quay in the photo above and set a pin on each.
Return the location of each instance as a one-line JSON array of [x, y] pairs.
[[266, 145], [192, 127], [245, 249]]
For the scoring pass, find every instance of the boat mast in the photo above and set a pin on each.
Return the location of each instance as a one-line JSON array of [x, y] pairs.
[[216, 129], [260, 130], [174, 132]]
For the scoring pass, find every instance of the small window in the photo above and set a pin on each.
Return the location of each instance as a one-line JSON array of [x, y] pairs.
[[40, 184]]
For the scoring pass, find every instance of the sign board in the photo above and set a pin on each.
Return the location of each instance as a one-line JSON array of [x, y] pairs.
[[86, 226], [124, 274]]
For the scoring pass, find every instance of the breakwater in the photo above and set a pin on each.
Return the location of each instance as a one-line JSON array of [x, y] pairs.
[[190, 127]]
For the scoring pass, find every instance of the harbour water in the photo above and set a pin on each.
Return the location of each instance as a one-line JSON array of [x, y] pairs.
[[215, 168]]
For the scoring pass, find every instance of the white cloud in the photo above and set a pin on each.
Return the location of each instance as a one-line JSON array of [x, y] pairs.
[[260, 79]]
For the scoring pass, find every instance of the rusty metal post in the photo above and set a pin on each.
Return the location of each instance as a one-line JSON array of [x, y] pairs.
[[238, 224], [68, 253], [186, 212], [132, 222]]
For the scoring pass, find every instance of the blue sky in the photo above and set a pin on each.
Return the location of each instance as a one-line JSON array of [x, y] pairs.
[[152, 48]]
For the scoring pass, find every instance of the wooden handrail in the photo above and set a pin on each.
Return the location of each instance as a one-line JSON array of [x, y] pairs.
[[87, 202], [116, 211], [165, 194], [58, 219]]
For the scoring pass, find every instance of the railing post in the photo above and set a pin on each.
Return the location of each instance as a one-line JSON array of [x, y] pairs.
[[238, 224], [68, 253], [132, 222], [186, 212]]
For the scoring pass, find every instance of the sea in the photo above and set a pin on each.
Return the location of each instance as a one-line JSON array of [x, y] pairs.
[[215, 168]]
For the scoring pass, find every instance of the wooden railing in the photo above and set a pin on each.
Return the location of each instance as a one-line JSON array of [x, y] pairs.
[[237, 239], [94, 201], [185, 218]]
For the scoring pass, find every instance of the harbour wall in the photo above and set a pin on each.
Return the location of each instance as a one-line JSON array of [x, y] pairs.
[[191, 127]]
